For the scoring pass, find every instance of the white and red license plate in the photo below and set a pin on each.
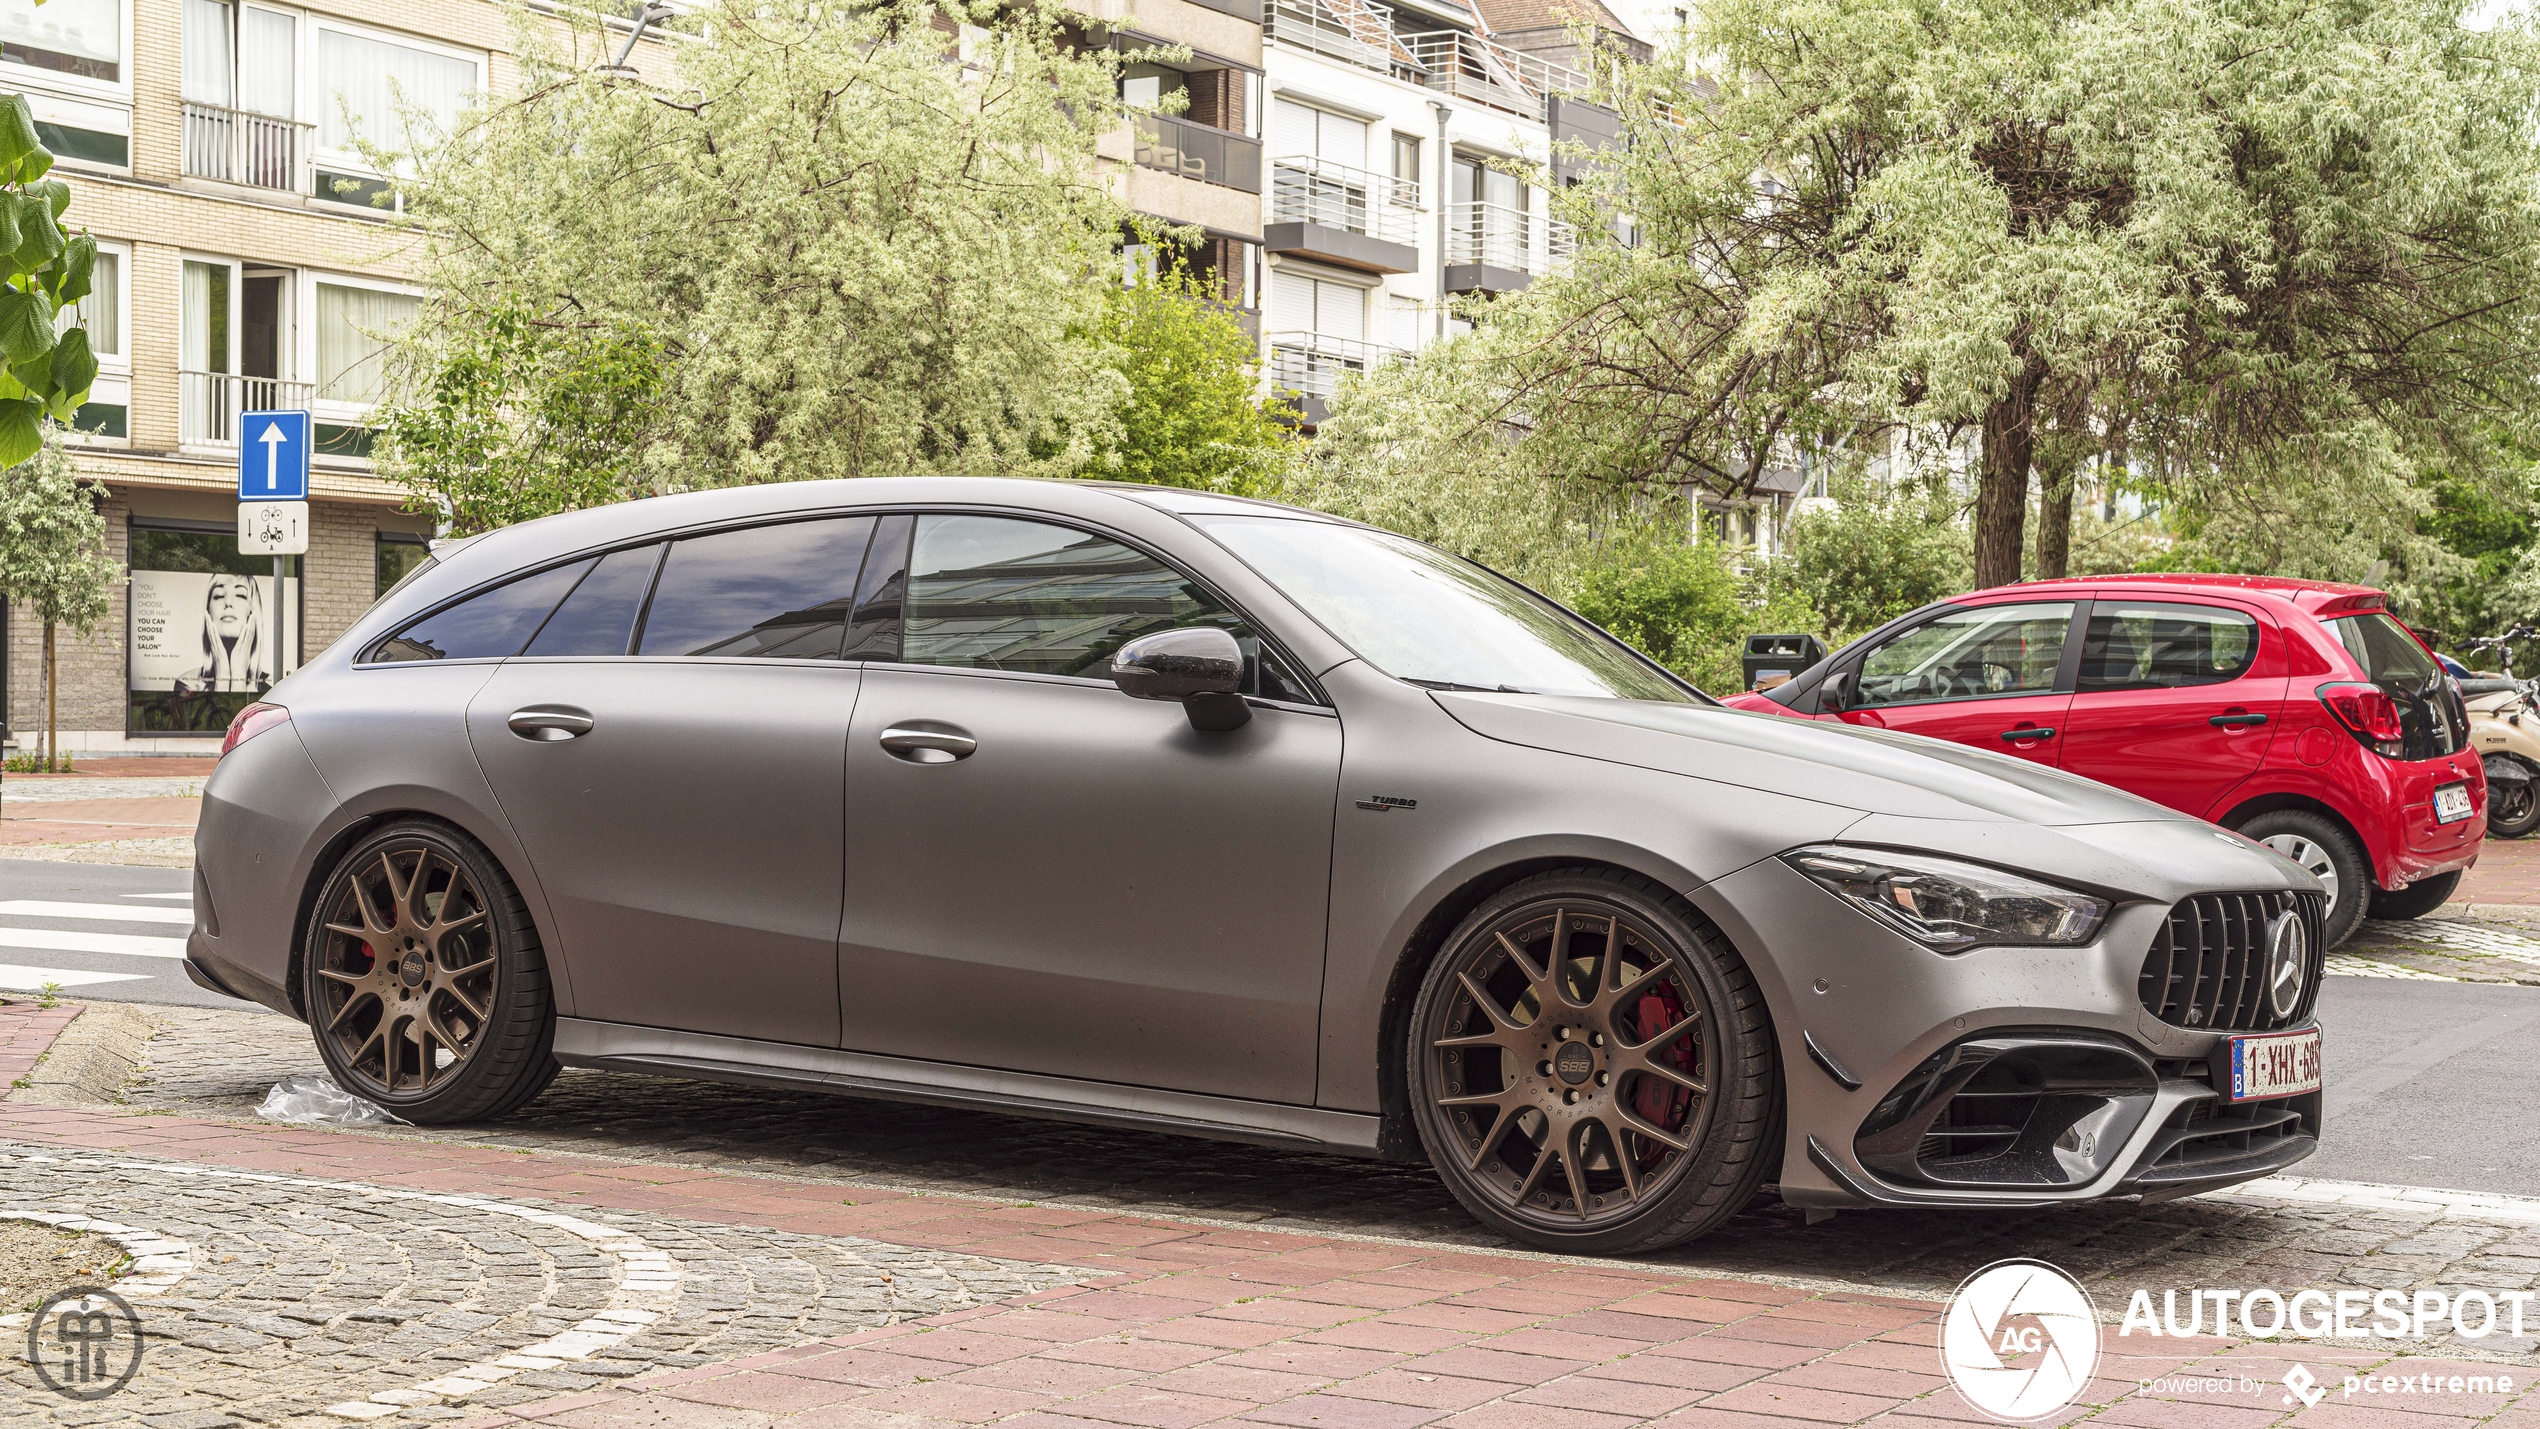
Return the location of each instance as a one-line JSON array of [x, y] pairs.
[[2285, 1064], [2451, 803]]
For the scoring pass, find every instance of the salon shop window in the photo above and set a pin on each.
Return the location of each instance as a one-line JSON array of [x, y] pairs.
[[201, 644]]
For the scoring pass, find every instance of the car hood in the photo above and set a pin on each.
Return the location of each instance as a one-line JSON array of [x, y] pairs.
[[1873, 771]]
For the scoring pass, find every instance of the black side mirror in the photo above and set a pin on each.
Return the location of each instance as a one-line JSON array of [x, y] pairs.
[[1200, 666], [1835, 695]]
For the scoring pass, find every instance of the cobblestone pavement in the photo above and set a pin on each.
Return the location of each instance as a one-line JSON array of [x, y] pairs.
[[298, 1295], [2501, 946], [215, 1062]]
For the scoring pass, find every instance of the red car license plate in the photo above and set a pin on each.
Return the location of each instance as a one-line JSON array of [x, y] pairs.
[[2283, 1065], [2451, 803]]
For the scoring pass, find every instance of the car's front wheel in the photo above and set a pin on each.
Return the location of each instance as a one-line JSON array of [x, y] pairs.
[[1592, 1068], [423, 979]]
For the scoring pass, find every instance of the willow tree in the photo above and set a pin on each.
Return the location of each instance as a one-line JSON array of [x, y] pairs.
[[832, 240], [2273, 241]]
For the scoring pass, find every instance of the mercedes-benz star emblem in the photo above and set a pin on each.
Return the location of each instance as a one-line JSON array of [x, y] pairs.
[[2288, 963]]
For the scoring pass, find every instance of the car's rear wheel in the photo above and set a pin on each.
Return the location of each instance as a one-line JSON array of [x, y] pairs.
[[2332, 856], [1591, 1066], [423, 979], [2417, 899]]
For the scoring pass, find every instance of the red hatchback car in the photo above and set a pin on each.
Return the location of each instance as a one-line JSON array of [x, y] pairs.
[[2299, 713]]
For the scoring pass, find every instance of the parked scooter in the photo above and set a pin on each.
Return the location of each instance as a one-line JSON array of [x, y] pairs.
[[2504, 727]]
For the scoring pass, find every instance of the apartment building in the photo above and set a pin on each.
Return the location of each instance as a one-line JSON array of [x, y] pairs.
[[242, 265]]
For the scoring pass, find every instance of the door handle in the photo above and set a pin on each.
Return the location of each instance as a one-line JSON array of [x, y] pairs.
[[549, 722], [2034, 732], [927, 743], [2237, 721]]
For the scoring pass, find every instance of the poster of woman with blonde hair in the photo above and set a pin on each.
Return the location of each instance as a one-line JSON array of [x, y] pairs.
[[234, 655]]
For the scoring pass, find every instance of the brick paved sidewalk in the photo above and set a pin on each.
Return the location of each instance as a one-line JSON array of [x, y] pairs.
[[1184, 1324], [2508, 872]]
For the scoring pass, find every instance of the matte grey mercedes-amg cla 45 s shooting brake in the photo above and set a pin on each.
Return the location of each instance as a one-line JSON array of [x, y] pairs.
[[1166, 810]]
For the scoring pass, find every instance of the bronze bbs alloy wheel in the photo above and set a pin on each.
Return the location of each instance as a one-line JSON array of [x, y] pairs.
[[423, 979], [1591, 1067]]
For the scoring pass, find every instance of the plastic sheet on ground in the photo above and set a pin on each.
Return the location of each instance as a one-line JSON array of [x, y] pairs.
[[315, 1101]]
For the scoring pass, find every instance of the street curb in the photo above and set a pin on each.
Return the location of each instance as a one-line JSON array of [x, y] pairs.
[[91, 1059]]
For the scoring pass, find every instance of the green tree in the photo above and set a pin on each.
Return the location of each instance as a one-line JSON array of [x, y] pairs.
[[43, 269], [1687, 605], [1877, 552], [2281, 243], [823, 246], [1194, 416], [53, 557]]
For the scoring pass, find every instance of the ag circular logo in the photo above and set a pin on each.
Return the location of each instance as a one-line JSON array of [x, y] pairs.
[[2288, 953], [1574, 1062], [2020, 1339]]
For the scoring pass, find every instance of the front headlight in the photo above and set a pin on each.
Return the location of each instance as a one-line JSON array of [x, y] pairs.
[[1950, 906]]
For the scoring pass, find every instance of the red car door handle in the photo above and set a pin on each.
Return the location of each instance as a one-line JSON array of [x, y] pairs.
[[2016, 735], [2235, 721]]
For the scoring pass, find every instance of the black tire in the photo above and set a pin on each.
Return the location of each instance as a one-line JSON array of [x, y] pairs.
[[1613, 1073], [2416, 900], [2323, 846], [2513, 810], [464, 965]]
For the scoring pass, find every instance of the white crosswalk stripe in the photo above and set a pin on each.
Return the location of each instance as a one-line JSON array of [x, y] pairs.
[[99, 912], [18, 978], [64, 940]]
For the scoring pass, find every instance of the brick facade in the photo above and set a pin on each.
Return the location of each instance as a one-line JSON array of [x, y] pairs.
[[162, 215]]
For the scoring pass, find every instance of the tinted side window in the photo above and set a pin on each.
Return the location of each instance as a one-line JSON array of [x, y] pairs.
[[1969, 654], [772, 592], [599, 617], [993, 593], [493, 625], [2165, 647]]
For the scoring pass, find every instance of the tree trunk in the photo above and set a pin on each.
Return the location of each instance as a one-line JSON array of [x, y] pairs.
[[2010, 443], [52, 693], [2055, 482]]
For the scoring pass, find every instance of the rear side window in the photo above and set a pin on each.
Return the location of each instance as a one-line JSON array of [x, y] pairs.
[[599, 617], [489, 626], [2432, 720], [2165, 647], [767, 592]]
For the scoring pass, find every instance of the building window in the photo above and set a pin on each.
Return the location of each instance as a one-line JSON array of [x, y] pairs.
[[239, 57], [370, 85], [399, 556], [106, 414], [79, 38], [354, 326], [1406, 165], [201, 628]]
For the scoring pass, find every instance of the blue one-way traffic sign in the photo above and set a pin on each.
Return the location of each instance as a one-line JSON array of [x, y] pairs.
[[273, 456]]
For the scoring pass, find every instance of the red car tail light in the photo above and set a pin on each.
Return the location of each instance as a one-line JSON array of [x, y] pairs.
[[2369, 712], [252, 721]]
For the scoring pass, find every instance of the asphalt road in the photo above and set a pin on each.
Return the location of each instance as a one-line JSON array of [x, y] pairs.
[[2429, 1083]]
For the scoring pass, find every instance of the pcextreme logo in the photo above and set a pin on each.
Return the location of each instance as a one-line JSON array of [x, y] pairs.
[[2020, 1340]]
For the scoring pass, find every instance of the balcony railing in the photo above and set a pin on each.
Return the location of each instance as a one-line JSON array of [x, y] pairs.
[[208, 404], [1310, 190], [1310, 363], [1504, 237], [1357, 32], [1197, 151], [1473, 68], [239, 147]]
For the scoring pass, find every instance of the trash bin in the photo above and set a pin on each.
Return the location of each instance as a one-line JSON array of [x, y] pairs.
[[1772, 659]]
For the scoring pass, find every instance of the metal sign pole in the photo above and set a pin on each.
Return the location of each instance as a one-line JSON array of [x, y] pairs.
[[277, 621]]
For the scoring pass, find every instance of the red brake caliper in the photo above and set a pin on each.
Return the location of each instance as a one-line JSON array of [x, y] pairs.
[[1661, 1103]]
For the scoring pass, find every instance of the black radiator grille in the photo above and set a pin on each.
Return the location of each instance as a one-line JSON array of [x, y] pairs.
[[2206, 968]]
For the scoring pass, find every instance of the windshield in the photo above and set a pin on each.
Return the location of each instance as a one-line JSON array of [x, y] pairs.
[[1421, 615]]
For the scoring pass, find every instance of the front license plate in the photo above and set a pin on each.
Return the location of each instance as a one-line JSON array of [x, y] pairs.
[[2451, 803], [2284, 1065]]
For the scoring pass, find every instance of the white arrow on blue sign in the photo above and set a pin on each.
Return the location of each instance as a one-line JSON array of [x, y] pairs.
[[273, 456]]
